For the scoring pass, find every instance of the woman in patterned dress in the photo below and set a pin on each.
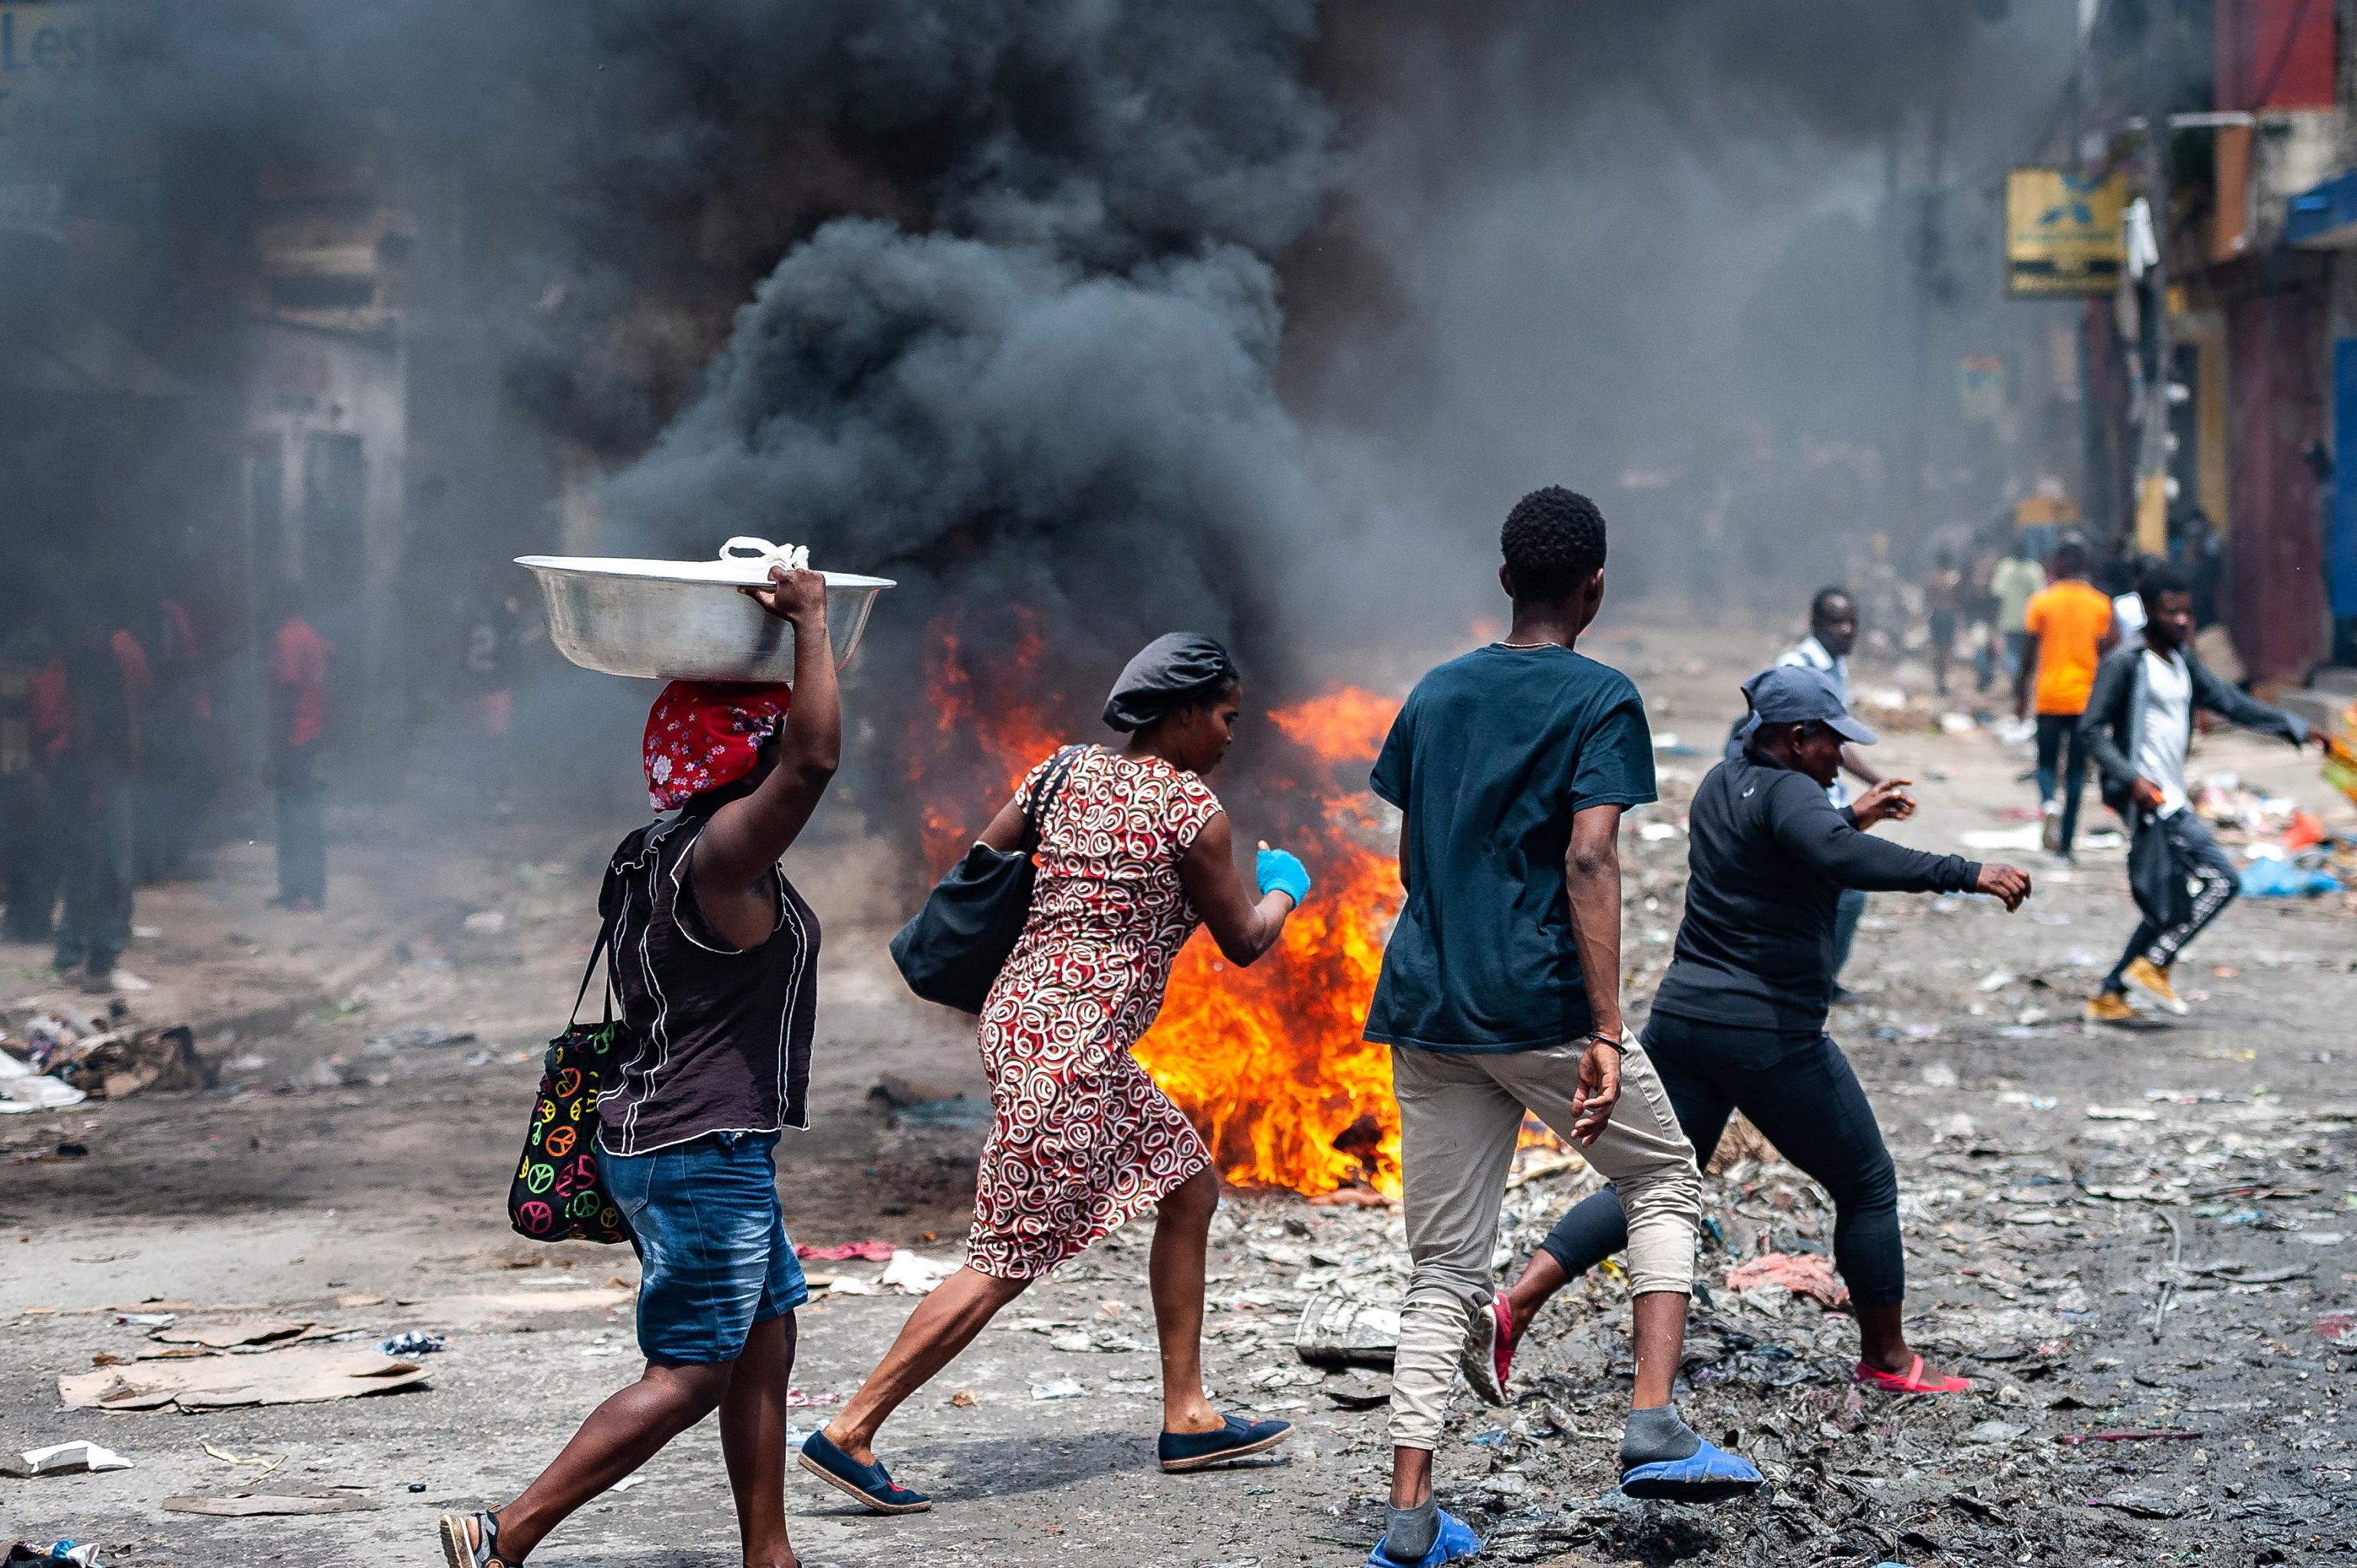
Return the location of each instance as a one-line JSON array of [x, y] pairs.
[[1134, 850]]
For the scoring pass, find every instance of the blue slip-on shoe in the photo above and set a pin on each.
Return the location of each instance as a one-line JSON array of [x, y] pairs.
[[1455, 1541], [1707, 1474], [1194, 1450], [870, 1483]]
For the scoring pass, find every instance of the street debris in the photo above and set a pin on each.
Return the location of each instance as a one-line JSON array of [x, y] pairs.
[[870, 1251], [416, 1342], [62, 1555], [1337, 1329], [915, 1274], [120, 1064], [419, 1036], [78, 1458], [1059, 1388], [1806, 1274], [223, 1335], [23, 1089], [302, 1375], [249, 1505]]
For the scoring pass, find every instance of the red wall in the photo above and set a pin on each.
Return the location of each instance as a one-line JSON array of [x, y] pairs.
[[2275, 548], [2288, 41]]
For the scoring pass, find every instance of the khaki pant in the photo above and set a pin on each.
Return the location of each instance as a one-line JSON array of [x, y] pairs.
[[1460, 1116]]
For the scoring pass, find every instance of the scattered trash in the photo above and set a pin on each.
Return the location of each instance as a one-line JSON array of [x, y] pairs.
[[1995, 1432], [870, 1251], [2281, 879], [2336, 1325], [23, 1089], [64, 1554], [249, 1505], [118, 1065], [1061, 1389], [416, 1342], [964, 1399], [420, 1036], [626, 1483], [2130, 1435], [1339, 1330], [1808, 1274], [305, 1374], [223, 1335], [146, 1319], [78, 1458], [2120, 1114], [485, 923], [915, 1274], [2140, 1504], [267, 1462]]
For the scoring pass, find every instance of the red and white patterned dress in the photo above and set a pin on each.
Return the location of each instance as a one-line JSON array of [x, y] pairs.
[[1081, 1139]]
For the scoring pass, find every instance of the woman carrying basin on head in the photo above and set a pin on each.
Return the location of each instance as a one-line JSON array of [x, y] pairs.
[[714, 958], [1134, 851]]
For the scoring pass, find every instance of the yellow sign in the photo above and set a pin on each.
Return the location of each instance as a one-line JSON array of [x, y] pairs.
[[2063, 231]]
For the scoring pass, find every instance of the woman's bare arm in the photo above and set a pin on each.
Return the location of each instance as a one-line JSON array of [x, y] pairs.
[[730, 865], [1244, 927]]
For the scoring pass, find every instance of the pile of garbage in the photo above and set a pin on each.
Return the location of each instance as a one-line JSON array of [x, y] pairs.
[[49, 1062], [2290, 852]]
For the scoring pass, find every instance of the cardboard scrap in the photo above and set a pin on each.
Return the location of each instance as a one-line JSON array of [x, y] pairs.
[[241, 1331], [244, 1505], [306, 1374]]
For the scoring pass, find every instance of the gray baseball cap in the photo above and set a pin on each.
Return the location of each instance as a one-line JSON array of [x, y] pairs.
[[1794, 693]]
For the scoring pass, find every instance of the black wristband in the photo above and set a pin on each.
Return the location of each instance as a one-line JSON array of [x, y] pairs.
[[1613, 1040]]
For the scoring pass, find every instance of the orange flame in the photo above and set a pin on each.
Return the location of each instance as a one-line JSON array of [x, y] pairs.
[[1267, 1061], [984, 726]]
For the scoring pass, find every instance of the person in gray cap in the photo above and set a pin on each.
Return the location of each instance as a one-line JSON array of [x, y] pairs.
[[1739, 1021]]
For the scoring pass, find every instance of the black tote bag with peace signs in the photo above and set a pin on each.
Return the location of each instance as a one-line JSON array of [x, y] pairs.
[[556, 1195]]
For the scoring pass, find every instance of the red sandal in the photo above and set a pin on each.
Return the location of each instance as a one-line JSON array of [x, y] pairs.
[[1912, 1381]]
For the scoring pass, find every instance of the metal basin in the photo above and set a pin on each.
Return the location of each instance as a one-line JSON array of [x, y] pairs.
[[684, 620]]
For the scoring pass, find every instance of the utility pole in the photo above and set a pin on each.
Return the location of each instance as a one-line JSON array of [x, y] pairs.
[[2151, 519], [1929, 256]]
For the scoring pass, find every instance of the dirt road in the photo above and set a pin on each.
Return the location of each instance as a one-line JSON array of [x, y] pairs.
[[2052, 1175]]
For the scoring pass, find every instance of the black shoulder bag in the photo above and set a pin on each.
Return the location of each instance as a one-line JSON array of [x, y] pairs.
[[556, 1195], [951, 952]]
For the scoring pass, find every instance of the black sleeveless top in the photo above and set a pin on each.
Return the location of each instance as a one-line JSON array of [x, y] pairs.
[[722, 1035]]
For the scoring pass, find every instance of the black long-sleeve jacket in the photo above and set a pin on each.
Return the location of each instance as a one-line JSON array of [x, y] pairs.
[[2115, 716], [1768, 857]]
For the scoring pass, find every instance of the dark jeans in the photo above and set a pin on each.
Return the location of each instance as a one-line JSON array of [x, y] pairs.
[[98, 819], [302, 828], [2199, 855], [31, 864], [1803, 1096], [2059, 741]]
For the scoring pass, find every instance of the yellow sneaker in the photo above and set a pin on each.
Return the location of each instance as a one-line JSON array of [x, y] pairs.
[[2109, 1007], [2153, 980]]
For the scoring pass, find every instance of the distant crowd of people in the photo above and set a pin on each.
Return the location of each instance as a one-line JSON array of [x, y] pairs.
[[113, 746]]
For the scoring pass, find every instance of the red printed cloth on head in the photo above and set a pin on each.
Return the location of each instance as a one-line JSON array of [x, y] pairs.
[[704, 734]]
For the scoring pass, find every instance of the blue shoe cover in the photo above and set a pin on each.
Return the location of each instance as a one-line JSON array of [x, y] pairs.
[[1455, 1541], [1707, 1474]]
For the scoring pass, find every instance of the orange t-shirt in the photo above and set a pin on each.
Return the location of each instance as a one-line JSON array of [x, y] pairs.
[[2070, 621]]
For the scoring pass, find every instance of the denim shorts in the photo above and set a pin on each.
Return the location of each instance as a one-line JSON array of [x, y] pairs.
[[714, 1257]]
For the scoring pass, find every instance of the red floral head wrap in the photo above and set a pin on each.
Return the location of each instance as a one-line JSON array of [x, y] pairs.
[[704, 734]]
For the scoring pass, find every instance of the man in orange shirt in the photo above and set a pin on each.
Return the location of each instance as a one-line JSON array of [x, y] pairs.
[[2071, 623]]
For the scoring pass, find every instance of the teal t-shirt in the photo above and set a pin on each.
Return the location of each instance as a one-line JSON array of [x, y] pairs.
[[1489, 758]]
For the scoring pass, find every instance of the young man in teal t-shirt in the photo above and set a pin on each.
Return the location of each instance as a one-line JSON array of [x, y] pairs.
[[1500, 993]]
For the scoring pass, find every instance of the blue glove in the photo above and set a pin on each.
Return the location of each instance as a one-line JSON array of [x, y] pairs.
[[1281, 871]]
